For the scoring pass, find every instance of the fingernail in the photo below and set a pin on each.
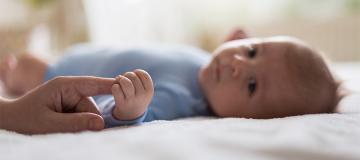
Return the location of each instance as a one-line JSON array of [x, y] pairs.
[[95, 124]]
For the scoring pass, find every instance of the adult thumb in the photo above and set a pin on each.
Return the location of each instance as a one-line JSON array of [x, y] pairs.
[[75, 122]]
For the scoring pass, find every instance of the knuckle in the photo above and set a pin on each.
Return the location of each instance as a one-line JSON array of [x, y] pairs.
[[131, 75], [125, 81], [127, 86], [141, 72], [145, 76], [118, 78]]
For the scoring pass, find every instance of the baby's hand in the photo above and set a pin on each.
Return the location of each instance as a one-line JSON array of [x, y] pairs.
[[132, 92]]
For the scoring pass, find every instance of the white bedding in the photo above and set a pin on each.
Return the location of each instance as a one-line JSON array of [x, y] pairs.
[[322, 136]]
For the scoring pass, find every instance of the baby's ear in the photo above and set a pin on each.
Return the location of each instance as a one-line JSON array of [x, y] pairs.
[[237, 33]]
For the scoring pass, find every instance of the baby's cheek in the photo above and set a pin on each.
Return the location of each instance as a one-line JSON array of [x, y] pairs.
[[225, 105]]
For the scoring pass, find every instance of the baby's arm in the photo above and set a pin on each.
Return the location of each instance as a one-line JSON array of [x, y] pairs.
[[132, 92]]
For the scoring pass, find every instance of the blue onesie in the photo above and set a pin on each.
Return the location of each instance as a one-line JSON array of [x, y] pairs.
[[174, 71]]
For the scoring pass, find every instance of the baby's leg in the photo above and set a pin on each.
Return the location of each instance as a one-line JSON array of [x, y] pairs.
[[21, 74]]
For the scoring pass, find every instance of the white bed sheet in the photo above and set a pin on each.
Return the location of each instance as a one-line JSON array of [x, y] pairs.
[[319, 136]]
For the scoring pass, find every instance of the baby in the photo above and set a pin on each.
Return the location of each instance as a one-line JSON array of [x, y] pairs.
[[245, 77]]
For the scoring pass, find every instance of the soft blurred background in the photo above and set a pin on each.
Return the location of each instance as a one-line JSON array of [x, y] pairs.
[[48, 27]]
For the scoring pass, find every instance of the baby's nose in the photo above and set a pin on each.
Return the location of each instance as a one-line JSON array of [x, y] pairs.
[[239, 64]]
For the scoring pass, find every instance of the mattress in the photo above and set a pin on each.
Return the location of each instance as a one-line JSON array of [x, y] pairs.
[[318, 136]]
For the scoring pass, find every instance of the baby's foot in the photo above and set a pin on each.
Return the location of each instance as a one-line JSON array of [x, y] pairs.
[[22, 74], [132, 92], [237, 33]]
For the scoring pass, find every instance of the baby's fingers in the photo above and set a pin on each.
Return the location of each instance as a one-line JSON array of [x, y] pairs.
[[145, 79], [139, 88], [126, 86]]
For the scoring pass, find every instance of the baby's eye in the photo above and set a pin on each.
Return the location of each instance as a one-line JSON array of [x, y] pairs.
[[252, 52], [252, 86]]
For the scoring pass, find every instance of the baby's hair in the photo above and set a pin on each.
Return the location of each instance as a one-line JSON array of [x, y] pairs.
[[341, 91], [316, 85]]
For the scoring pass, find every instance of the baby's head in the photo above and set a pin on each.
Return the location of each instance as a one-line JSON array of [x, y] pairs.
[[268, 78]]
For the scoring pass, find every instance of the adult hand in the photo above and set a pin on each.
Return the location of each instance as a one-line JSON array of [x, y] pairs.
[[60, 105]]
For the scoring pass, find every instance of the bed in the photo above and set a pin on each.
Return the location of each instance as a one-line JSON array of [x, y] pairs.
[[319, 136]]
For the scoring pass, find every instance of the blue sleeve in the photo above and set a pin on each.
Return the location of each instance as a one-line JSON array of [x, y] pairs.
[[106, 105], [171, 101]]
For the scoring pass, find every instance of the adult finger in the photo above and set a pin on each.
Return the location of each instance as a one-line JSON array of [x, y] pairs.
[[86, 85], [87, 104], [75, 122]]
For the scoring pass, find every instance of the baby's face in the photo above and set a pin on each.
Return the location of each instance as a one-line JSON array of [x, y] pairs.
[[248, 78]]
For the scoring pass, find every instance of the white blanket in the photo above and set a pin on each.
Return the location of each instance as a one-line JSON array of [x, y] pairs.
[[321, 136]]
